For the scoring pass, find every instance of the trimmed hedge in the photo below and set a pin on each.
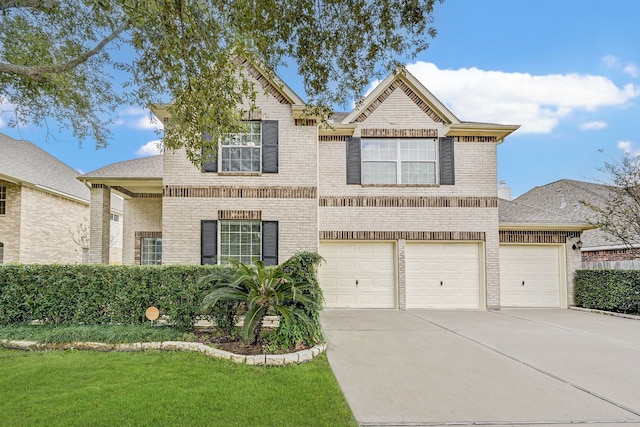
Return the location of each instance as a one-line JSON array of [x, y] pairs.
[[95, 294], [612, 290], [100, 294]]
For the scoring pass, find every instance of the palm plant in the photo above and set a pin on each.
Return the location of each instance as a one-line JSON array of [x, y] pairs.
[[262, 289]]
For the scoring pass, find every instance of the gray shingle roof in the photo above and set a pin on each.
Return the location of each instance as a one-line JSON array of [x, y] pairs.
[[25, 162], [146, 167], [514, 213], [565, 197]]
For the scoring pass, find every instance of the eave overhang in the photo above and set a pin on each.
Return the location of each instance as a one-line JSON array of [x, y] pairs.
[[500, 132]]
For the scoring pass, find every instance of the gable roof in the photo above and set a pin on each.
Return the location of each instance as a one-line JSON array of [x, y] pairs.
[[566, 197], [25, 163], [514, 215], [405, 81]]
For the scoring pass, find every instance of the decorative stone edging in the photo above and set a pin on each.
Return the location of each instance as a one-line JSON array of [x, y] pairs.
[[259, 359], [608, 313]]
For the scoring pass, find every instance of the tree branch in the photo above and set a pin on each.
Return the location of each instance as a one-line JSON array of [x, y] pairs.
[[44, 5], [38, 73]]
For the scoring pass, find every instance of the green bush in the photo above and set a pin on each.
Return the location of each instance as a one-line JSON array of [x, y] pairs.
[[100, 294], [611, 290]]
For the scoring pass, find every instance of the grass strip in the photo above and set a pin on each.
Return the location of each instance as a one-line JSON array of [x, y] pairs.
[[80, 388]]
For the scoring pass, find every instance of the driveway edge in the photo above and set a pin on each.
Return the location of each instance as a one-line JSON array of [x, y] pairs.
[[607, 313]]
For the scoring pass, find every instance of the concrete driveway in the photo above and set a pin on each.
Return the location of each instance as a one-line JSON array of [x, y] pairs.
[[513, 367]]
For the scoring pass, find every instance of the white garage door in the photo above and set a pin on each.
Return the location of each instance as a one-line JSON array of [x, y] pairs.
[[443, 275], [529, 276], [358, 274]]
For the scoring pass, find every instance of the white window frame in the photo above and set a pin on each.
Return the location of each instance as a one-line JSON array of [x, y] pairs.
[[398, 160], [229, 240], [153, 258], [3, 199], [242, 141]]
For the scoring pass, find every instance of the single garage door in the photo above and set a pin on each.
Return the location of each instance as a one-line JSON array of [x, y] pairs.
[[529, 276], [358, 274], [443, 275]]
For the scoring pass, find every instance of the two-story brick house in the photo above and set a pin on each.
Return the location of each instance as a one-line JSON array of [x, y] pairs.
[[399, 196]]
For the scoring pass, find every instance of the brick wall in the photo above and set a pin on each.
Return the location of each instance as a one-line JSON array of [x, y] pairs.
[[10, 223], [140, 215], [46, 227], [610, 255]]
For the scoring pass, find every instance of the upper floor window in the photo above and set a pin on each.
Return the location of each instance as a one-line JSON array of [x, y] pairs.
[[115, 218], [398, 161], [255, 151], [151, 251], [3, 199], [242, 152]]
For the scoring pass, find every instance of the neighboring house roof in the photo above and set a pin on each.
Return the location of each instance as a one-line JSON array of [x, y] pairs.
[[142, 175], [566, 197], [514, 215], [24, 162], [146, 167]]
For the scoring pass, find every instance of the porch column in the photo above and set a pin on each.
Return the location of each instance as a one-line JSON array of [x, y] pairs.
[[100, 224]]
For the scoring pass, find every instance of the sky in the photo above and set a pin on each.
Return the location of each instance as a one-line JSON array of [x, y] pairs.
[[567, 71]]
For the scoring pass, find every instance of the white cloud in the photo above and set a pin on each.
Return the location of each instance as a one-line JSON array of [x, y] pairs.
[[151, 148], [611, 61], [138, 118], [631, 69], [628, 148], [593, 125], [537, 103], [147, 122]]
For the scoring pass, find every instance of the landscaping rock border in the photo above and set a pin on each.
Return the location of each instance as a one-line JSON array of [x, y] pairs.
[[260, 359], [608, 313]]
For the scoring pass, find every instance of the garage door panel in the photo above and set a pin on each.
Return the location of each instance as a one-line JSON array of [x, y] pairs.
[[443, 275], [529, 276], [370, 264]]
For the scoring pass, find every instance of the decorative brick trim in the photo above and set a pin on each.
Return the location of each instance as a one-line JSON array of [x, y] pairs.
[[249, 215], [403, 235], [240, 192], [399, 133], [305, 122], [512, 236], [475, 138], [265, 83], [252, 115], [409, 202], [137, 252], [399, 84], [332, 138], [137, 195]]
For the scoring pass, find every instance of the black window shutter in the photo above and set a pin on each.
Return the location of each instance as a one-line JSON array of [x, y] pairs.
[[209, 241], [211, 163], [447, 166], [270, 146], [353, 161], [270, 242]]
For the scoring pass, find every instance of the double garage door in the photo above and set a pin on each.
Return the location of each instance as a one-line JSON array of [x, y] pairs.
[[364, 275]]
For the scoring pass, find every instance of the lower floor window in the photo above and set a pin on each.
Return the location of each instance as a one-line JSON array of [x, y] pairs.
[[240, 240], [151, 251]]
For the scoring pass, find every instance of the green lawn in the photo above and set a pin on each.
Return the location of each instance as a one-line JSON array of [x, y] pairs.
[[85, 388]]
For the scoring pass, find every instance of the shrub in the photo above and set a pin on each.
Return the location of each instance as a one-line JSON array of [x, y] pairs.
[[612, 290], [100, 294]]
